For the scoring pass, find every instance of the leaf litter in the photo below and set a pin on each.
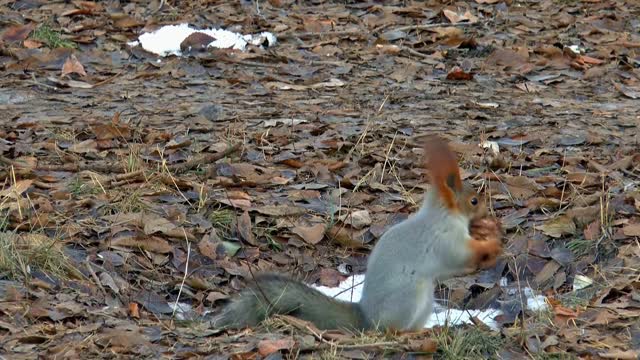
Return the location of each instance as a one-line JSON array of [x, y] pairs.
[[138, 195]]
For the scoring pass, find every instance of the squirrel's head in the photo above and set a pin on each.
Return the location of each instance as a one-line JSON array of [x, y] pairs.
[[455, 195]]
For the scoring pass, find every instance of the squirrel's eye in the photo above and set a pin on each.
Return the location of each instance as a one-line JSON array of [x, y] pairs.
[[474, 201]]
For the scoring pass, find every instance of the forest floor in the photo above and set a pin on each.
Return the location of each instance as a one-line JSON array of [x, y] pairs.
[[130, 182]]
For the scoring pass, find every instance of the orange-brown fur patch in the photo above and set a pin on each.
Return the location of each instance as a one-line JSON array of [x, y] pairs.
[[485, 243], [443, 169]]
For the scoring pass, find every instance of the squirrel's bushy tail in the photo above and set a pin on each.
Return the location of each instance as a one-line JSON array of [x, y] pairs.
[[273, 294]]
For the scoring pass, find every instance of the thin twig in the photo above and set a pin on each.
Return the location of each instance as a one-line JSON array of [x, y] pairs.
[[108, 79], [122, 179], [429, 26], [94, 276], [206, 159], [360, 32], [321, 33], [8, 161], [416, 53], [186, 272]]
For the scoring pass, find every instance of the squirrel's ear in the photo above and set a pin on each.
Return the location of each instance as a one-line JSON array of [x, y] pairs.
[[443, 168]]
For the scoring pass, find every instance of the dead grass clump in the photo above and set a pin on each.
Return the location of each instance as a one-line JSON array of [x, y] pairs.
[[467, 343], [21, 253]]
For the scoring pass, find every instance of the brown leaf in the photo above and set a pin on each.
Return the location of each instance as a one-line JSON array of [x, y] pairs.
[[584, 215], [72, 65], [196, 41], [633, 93], [427, 345], [508, 58], [215, 296], [16, 190], [594, 72], [456, 18], [84, 147], [564, 311], [280, 210], [84, 8], [237, 203], [458, 74], [267, 347], [111, 131], [584, 179], [310, 234], [543, 202], [245, 229], [32, 44], [121, 340], [348, 237], [18, 32], [107, 281], [208, 245], [514, 218], [621, 354], [25, 164], [134, 310], [542, 278], [357, 219], [592, 231], [154, 225], [521, 187], [330, 277], [150, 243], [70, 83], [632, 230], [152, 302], [558, 227], [128, 22], [625, 163]]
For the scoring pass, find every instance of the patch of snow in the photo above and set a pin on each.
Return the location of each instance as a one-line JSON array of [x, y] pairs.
[[580, 281], [576, 49], [287, 122], [535, 302], [491, 145], [348, 290], [166, 40], [443, 315], [351, 290], [182, 310]]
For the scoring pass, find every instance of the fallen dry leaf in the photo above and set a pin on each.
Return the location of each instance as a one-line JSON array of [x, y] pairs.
[[17, 32], [150, 243], [72, 65], [456, 18], [631, 230], [267, 347], [310, 234], [558, 227], [357, 219]]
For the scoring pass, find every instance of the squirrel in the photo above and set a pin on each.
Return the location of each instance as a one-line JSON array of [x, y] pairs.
[[449, 235]]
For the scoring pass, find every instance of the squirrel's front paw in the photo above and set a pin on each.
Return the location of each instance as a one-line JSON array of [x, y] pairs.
[[486, 242]]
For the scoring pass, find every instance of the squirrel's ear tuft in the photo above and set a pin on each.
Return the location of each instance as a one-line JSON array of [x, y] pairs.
[[443, 168]]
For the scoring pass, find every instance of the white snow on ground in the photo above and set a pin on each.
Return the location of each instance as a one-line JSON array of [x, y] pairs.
[[166, 40], [351, 290]]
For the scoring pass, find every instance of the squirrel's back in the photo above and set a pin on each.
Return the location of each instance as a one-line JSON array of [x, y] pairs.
[[406, 261]]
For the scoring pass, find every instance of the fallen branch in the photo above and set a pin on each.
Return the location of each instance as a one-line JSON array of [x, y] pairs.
[[416, 53], [206, 159], [428, 26], [360, 32], [321, 33], [122, 179], [99, 167]]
